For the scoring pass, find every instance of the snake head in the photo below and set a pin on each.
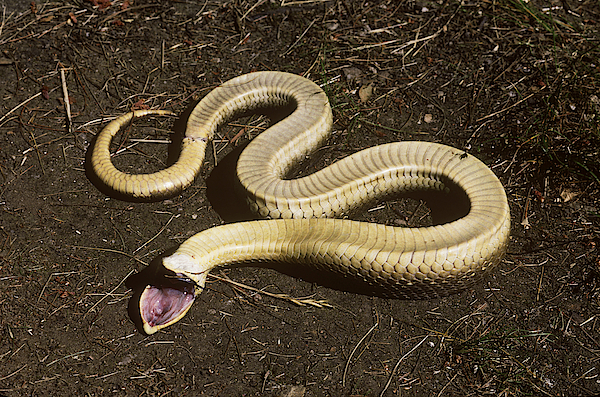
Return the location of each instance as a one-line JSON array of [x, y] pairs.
[[165, 304], [169, 298]]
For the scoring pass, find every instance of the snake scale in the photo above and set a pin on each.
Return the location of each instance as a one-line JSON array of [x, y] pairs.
[[409, 263]]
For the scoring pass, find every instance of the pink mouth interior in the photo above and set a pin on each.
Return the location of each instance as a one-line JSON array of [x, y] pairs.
[[160, 306]]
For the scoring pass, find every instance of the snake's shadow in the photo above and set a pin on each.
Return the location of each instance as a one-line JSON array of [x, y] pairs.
[[153, 274], [223, 189]]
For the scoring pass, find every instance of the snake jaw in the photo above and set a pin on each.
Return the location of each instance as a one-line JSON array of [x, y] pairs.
[[167, 301], [161, 306]]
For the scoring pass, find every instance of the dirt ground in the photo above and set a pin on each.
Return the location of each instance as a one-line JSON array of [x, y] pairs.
[[516, 84]]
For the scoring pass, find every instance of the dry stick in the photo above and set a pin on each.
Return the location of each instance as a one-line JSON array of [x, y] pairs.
[[162, 56], [214, 147], [301, 2], [398, 364], [258, 3], [13, 373], [112, 16], [509, 107], [66, 100], [299, 38], [97, 121], [455, 325], [537, 298], [37, 151], [141, 140], [318, 58], [237, 348], [524, 216], [446, 385], [384, 43], [445, 27], [18, 106], [110, 250], [265, 381], [65, 357], [162, 229], [356, 348], [109, 294], [417, 40], [298, 301], [3, 19], [53, 275], [200, 12]]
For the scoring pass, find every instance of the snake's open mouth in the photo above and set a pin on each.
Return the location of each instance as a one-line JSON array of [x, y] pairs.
[[163, 305]]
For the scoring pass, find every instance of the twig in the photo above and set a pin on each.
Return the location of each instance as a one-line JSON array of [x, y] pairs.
[[299, 38], [417, 40], [37, 151], [232, 335], [54, 275], [537, 297], [298, 301], [214, 147], [162, 229], [383, 43], [112, 16], [162, 56], [18, 106], [300, 2], [509, 107], [141, 140], [110, 250], [109, 294], [200, 13], [398, 364], [258, 3], [66, 100], [13, 373], [356, 348], [3, 19], [65, 357], [447, 384]]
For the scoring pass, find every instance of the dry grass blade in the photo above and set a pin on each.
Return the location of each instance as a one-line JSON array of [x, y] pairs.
[[66, 100], [400, 360], [109, 293], [319, 303], [355, 349]]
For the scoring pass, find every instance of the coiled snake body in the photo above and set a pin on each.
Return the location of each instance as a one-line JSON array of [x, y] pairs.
[[404, 262]]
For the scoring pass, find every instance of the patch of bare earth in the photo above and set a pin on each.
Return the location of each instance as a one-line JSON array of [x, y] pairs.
[[514, 83]]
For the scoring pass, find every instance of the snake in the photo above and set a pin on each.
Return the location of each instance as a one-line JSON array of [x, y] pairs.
[[307, 223]]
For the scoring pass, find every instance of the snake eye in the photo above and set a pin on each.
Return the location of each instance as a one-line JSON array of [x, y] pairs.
[[180, 278]]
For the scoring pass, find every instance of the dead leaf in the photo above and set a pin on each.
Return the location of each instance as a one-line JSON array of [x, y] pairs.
[[294, 391], [365, 93], [45, 92], [353, 74], [568, 194], [141, 104]]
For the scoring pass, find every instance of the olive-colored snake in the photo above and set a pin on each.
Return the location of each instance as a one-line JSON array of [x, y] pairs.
[[403, 262]]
